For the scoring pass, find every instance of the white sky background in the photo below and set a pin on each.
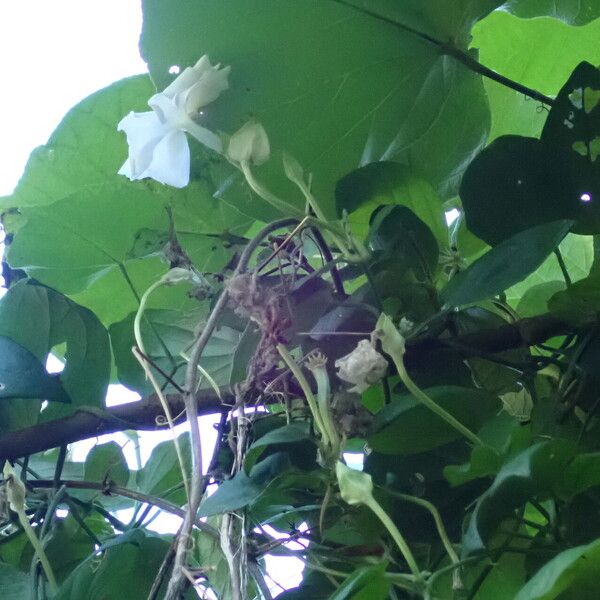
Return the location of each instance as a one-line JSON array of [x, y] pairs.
[[53, 53]]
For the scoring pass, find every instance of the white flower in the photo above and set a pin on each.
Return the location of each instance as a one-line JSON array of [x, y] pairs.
[[158, 147], [362, 367], [249, 144]]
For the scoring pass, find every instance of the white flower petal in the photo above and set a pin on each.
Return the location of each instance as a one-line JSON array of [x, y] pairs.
[[171, 160], [207, 89], [144, 131]]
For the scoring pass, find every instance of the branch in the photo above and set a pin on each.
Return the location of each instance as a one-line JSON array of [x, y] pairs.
[[109, 489], [85, 424]]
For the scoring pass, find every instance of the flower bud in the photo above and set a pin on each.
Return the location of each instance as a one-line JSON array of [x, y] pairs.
[[356, 487], [249, 144]]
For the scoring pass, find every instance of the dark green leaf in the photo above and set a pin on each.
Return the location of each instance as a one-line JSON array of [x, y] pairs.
[[515, 184], [40, 319], [407, 427], [288, 434], [535, 471], [22, 375], [244, 489], [363, 190], [505, 264], [397, 235]]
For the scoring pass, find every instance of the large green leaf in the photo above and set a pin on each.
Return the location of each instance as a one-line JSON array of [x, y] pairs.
[[71, 192], [572, 575], [171, 331], [505, 264], [14, 584], [122, 571], [405, 426], [505, 44], [517, 183], [312, 73]]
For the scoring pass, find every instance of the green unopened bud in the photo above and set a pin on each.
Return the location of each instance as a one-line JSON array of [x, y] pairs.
[[356, 487], [249, 144], [15, 489]]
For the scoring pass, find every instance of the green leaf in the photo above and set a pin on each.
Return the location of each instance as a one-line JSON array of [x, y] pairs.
[[121, 571], [309, 73], [363, 190], [533, 472], [243, 489], [515, 184], [577, 252], [397, 235], [39, 319], [173, 329], [576, 12], [580, 303], [505, 264], [288, 434], [407, 427], [161, 475], [572, 575], [535, 300], [22, 375], [366, 583], [582, 474], [14, 584], [106, 462]]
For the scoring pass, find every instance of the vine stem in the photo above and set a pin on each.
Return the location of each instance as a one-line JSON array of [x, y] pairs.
[[439, 523], [420, 395], [396, 536], [563, 267], [191, 379], [450, 50], [141, 358]]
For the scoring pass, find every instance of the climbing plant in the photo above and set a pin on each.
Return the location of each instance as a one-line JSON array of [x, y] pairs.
[[362, 234]]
